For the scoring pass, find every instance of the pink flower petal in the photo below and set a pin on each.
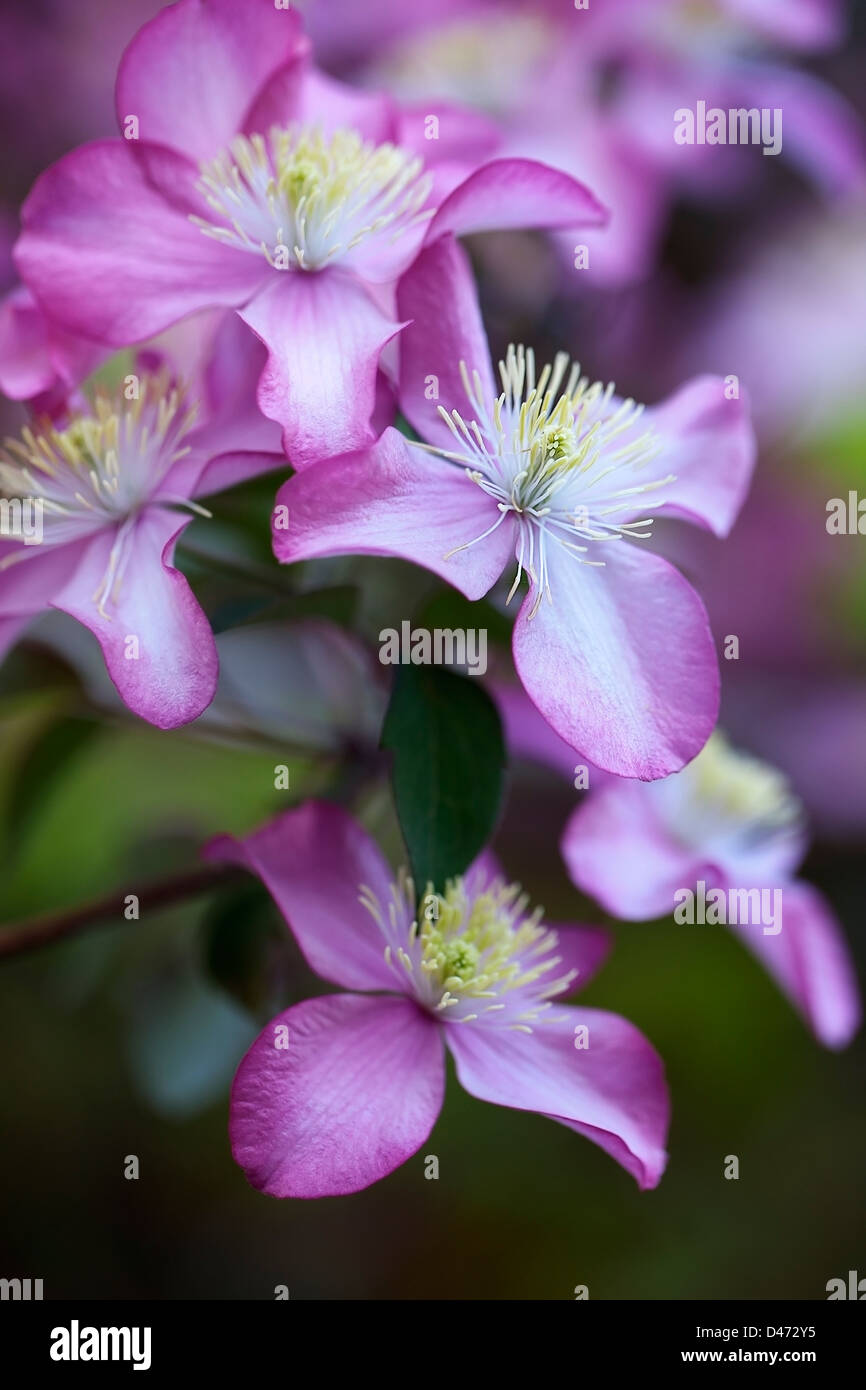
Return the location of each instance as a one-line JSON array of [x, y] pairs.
[[192, 73], [622, 662], [516, 193], [313, 861], [393, 499], [299, 93], [173, 676], [36, 356], [709, 445], [107, 252], [617, 851], [810, 961], [355, 1093], [324, 336], [439, 296], [612, 1091]]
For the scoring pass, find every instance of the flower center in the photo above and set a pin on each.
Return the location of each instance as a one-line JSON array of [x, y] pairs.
[[304, 199], [466, 62], [101, 469], [735, 798], [559, 454], [471, 958]]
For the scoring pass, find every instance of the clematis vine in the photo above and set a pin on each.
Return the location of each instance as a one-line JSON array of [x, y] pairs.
[[248, 180], [730, 822], [560, 478], [338, 1091], [114, 485]]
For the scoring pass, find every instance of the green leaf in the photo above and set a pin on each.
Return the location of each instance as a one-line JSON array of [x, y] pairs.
[[447, 775]]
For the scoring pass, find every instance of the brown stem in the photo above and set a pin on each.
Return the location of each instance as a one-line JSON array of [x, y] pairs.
[[20, 937]]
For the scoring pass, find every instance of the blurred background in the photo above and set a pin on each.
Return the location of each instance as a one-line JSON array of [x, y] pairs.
[[124, 1041]]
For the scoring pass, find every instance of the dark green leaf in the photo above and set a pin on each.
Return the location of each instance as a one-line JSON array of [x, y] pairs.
[[449, 755]]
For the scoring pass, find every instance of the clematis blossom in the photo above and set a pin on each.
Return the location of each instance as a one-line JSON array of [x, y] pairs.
[[248, 180], [730, 822], [560, 478], [338, 1091], [113, 485]]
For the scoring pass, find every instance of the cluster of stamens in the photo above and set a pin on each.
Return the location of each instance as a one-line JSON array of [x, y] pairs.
[[733, 794], [471, 958], [305, 199], [101, 469], [558, 454]]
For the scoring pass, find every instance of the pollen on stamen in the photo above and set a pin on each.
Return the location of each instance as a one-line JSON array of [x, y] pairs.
[[303, 198]]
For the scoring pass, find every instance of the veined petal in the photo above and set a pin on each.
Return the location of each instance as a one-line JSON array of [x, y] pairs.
[[612, 1091], [324, 336], [111, 256], [192, 73], [393, 499], [313, 861], [708, 443], [622, 661], [353, 1094], [156, 641]]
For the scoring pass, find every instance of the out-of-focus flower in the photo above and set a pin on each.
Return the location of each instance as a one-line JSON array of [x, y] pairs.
[[104, 491], [613, 645], [338, 1091], [803, 355], [732, 824], [254, 182], [594, 92]]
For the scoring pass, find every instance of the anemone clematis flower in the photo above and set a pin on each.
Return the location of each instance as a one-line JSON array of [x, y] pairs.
[[251, 181], [338, 1091], [611, 643], [107, 488], [732, 823]]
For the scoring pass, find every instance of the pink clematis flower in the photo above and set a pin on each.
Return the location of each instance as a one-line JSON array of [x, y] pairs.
[[732, 823], [254, 182], [107, 487], [338, 1091], [611, 643]]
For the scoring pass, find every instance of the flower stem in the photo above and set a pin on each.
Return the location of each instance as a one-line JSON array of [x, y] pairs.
[[21, 937]]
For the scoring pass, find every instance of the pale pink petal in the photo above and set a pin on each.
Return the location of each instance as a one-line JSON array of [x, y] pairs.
[[618, 851], [324, 336], [622, 661], [708, 444], [155, 639]]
